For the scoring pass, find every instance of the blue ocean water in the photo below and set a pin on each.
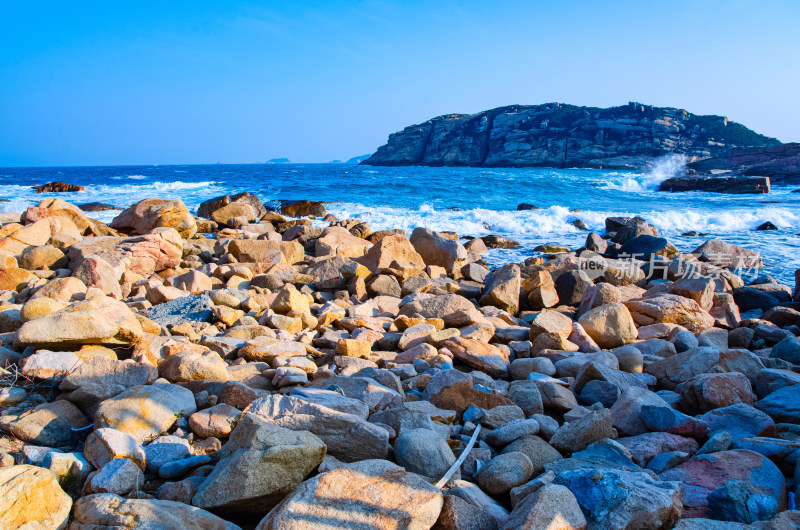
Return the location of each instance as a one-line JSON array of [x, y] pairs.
[[469, 201]]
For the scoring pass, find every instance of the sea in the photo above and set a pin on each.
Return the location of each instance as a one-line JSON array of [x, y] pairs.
[[470, 201]]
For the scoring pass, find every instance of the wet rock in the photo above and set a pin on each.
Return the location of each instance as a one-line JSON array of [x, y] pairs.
[[58, 187], [304, 208]]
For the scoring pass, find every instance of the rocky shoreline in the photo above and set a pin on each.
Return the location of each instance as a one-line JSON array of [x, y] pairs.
[[246, 368]]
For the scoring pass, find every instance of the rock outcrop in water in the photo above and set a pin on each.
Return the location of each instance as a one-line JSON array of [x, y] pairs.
[[559, 135], [735, 184], [780, 163], [57, 187], [305, 376]]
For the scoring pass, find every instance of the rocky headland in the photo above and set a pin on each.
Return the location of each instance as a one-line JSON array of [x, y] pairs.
[[244, 369], [558, 135], [780, 163]]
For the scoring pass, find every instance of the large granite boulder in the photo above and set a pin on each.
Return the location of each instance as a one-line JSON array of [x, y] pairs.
[[259, 465], [361, 495], [147, 214], [106, 511], [30, 498]]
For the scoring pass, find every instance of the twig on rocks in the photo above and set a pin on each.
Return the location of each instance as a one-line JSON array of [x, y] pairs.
[[461, 458]]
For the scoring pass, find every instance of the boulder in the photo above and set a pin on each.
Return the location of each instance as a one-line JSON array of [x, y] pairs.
[[304, 208], [264, 251], [436, 249], [147, 214], [479, 355], [119, 476], [392, 252], [30, 498], [359, 495], [613, 498], [682, 367], [146, 411], [259, 465], [551, 506], [15, 279], [502, 289], [727, 255], [348, 437], [103, 371], [578, 434], [156, 251], [337, 241], [107, 510], [104, 445], [703, 474], [222, 209], [644, 246], [782, 405], [424, 452], [94, 271], [669, 309], [98, 320], [571, 286], [505, 471], [706, 392], [51, 425], [540, 290], [451, 308], [609, 325]]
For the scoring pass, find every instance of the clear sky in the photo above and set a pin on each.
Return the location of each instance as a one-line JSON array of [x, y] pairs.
[[173, 81]]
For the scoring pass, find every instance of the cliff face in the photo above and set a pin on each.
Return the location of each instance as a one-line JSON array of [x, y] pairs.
[[780, 163], [558, 135]]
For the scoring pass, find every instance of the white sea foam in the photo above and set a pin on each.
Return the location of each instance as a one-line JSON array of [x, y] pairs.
[[663, 168], [558, 220]]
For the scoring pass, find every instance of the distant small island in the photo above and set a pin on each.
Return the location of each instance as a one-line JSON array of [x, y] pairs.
[[278, 161], [559, 135]]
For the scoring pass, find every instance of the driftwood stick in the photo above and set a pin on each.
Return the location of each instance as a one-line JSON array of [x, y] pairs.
[[461, 458]]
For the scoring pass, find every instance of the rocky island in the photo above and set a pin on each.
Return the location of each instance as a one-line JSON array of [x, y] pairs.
[[261, 369], [559, 135]]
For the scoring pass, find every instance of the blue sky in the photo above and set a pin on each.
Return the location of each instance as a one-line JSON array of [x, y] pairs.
[[94, 83]]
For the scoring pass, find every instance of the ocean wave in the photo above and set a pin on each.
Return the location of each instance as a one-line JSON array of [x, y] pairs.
[[559, 220], [664, 168]]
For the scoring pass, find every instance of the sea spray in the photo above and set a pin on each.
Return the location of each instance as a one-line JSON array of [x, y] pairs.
[[662, 169]]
